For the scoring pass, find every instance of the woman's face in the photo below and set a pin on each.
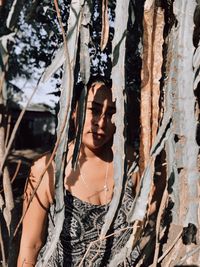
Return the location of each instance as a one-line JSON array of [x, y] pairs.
[[99, 127]]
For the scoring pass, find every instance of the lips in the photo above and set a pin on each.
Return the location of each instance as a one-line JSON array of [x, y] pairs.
[[97, 135]]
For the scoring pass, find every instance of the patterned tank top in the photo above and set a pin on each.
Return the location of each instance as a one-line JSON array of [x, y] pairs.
[[79, 243]]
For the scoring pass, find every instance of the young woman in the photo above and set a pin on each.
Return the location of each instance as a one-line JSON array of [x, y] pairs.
[[88, 192]]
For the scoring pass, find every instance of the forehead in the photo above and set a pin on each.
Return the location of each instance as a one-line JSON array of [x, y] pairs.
[[100, 94]]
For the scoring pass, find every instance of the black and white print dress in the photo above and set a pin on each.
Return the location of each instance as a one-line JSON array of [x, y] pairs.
[[81, 231]]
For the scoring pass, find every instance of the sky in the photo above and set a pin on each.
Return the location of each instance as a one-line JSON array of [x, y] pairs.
[[26, 38], [42, 95]]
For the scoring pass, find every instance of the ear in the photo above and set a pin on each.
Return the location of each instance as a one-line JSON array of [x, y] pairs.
[[74, 114]]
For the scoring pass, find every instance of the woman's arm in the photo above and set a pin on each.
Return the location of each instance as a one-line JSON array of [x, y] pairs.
[[34, 225]]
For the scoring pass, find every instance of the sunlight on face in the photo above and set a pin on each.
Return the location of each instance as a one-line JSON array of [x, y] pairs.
[[99, 127]]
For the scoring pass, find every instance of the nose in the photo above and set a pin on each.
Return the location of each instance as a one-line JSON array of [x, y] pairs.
[[101, 121]]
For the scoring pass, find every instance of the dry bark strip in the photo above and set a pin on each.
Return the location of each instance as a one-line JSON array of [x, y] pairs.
[[105, 25], [70, 50], [182, 149], [151, 73], [118, 78]]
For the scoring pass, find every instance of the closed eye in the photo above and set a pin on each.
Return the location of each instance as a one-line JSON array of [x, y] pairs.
[[94, 111]]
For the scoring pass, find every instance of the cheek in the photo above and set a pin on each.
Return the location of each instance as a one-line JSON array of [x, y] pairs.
[[87, 125]]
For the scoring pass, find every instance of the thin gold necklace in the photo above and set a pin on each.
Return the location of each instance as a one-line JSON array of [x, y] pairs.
[[105, 187]]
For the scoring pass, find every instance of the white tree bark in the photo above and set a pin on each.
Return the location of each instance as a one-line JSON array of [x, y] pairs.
[[182, 149]]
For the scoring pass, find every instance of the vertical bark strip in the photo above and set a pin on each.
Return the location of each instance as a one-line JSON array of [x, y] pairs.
[[85, 74], [118, 79], [2, 249], [157, 38], [145, 109], [8, 205], [151, 74], [182, 149], [70, 46], [84, 42], [105, 25]]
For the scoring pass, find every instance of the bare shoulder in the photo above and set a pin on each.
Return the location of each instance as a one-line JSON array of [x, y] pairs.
[[43, 166], [43, 160], [42, 177]]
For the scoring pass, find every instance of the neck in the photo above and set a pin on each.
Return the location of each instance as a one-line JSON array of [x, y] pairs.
[[104, 153]]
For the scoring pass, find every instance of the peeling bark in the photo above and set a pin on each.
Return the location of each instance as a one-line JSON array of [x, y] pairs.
[[151, 74], [182, 149]]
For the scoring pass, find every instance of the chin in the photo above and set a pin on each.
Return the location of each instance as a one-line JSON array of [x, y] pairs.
[[94, 145]]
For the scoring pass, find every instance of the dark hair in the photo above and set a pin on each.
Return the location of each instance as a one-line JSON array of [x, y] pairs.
[[78, 88], [100, 79]]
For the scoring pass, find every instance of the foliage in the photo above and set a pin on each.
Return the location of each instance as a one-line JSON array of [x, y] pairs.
[[33, 45]]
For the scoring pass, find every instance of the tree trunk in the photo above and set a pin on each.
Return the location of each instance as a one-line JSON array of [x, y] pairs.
[[7, 203], [182, 149]]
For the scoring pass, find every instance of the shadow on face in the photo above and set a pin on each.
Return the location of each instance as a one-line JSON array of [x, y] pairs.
[[98, 127]]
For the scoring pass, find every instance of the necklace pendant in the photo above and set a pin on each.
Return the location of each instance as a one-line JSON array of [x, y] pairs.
[[105, 188]]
